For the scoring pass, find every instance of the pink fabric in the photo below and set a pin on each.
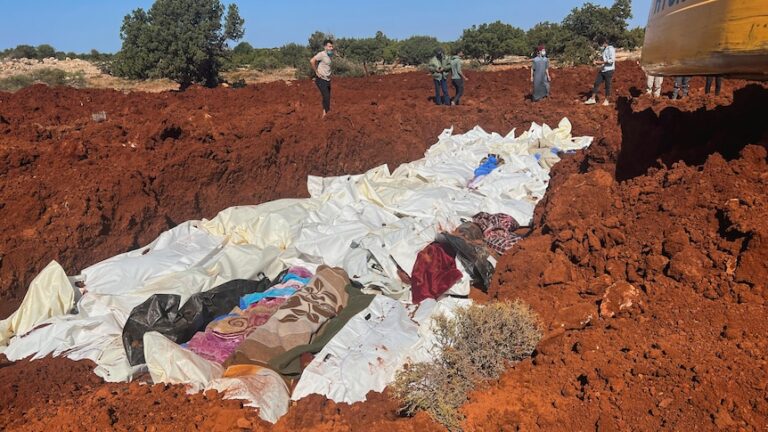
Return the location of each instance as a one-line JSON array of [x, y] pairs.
[[211, 346], [259, 313], [300, 272], [218, 346]]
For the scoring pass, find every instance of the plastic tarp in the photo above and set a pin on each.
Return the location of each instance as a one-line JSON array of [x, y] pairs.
[[183, 261], [265, 390], [163, 313], [169, 363], [367, 353], [50, 294]]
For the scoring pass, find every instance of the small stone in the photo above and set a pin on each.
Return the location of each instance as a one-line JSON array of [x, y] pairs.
[[618, 297], [552, 342], [598, 286], [576, 317], [243, 423], [723, 420], [690, 264], [656, 263], [557, 272], [665, 403]]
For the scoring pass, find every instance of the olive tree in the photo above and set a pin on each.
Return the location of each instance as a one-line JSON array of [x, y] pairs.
[[183, 40]]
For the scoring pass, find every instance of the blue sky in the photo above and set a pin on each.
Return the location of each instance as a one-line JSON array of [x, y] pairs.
[[80, 25]]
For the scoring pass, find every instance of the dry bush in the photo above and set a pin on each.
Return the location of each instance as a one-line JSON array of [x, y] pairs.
[[474, 345], [433, 388]]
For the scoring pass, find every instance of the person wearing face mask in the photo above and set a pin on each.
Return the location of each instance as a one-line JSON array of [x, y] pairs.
[[321, 64], [540, 75], [439, 66]]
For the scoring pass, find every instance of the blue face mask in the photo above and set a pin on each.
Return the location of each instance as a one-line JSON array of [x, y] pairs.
[[329, 52]]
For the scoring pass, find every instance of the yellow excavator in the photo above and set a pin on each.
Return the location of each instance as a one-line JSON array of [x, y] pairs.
[[707, 37]]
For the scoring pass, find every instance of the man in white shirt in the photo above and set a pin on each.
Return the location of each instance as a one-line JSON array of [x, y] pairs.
[[321, 64], [605, 74]]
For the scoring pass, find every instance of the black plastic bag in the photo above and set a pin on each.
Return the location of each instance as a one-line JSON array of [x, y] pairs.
[[472, 254], [161, 313]]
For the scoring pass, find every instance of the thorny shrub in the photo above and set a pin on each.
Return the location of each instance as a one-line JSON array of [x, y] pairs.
[[473, 346]]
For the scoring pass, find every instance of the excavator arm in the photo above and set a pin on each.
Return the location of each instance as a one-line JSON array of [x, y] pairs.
[[707, 37]]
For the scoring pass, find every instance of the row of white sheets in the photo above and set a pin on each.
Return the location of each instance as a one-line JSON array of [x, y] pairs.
[[369, 224]]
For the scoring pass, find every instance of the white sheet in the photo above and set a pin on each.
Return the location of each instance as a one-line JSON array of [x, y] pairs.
[[370, 224]]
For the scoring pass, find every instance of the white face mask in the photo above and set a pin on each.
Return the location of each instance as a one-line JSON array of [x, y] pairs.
[[543, 53]]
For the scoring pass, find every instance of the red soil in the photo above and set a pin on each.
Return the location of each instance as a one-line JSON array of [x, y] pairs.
[[690, 237]]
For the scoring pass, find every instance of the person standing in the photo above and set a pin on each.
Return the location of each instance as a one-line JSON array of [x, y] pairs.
[[605, 73], [458, 77], [718, 84], [540, 75], [653, 85], [439, 67], [682, 84], [321, 64]]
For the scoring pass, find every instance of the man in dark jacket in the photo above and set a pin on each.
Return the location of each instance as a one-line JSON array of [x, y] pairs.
[[440, 67]]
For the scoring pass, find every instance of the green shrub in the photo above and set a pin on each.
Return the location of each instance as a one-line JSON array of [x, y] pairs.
[[16, 82], [578, 51], [340, 67], [475, 345], [417, 50], [49, 76], [295, 55], [489, 42]]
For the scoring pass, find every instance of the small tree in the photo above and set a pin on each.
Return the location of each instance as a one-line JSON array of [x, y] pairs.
[[593, 22], [490, 42], [578, 51], [183, 40], [24, 51], [391, 52], [417, 50], [294, 54], [242, 54], [365, 51], [552, 35], [45, 51], [316, 40], [634, 38]]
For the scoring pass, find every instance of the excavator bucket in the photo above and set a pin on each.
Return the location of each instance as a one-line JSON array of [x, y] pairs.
[[707, 37]]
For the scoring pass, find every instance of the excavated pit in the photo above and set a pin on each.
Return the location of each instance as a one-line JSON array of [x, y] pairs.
[[667, 208]]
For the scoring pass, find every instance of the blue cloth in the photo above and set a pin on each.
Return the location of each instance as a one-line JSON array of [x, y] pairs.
[[219, 318], [247, 300], [486, 168], [291, 276]]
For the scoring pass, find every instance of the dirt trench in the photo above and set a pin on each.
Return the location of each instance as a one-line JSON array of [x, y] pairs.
[[666, 209]]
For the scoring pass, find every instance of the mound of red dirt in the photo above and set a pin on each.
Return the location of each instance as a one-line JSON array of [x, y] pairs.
[[80, 191], [646, 265]]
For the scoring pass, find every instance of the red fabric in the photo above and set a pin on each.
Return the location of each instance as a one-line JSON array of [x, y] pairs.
[[434, 273]]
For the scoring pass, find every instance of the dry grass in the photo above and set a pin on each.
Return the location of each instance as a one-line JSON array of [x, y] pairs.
[[476, 345]]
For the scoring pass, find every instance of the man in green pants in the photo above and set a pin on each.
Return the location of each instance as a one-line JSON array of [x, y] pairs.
[[458, 77]]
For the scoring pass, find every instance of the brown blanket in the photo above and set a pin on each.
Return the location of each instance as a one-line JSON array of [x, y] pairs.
[[297, 320]]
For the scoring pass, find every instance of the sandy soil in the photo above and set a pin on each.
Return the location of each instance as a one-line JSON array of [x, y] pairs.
[[665, 211]]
